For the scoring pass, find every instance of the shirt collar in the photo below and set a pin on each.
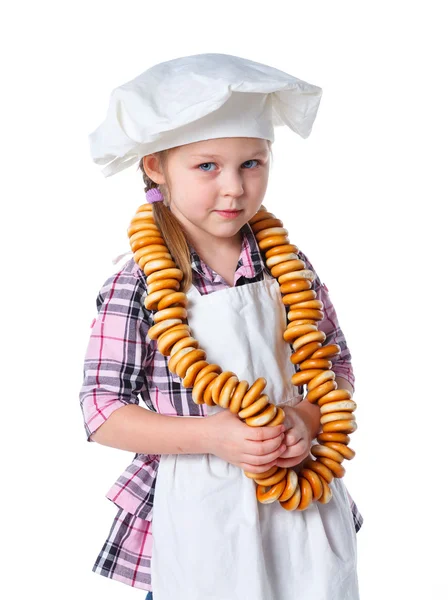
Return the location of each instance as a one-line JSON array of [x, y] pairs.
[[250, 262]]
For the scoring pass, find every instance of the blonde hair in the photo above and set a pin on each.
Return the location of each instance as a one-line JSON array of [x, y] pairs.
[[172, 230]]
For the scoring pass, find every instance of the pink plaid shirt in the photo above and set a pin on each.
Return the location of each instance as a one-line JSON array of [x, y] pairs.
[[122, 365]]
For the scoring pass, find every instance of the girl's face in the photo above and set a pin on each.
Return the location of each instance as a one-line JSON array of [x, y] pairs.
[[224, 174]]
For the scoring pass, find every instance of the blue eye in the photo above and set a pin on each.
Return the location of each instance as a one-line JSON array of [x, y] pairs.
[[251, 160], [208, 163]]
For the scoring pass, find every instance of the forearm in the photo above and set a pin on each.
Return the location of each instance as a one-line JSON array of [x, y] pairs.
[[310, 412], [142, 431]]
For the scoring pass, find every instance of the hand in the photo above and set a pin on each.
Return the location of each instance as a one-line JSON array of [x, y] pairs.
[[298, 437], [253, 449]]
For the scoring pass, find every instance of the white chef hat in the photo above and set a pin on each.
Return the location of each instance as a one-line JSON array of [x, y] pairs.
[[200, 97]]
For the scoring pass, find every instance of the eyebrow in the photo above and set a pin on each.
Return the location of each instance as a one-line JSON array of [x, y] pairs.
[[259, 153]]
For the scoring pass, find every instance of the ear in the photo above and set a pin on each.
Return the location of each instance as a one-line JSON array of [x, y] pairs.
[[151, 165]]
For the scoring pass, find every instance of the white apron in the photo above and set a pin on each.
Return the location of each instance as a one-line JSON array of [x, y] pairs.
[[212, 539]]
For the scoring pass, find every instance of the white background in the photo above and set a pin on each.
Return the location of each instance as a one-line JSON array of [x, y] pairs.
[[363, 197]]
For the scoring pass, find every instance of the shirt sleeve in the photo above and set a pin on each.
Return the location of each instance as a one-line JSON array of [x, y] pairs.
[[341, 365], [117, 351]]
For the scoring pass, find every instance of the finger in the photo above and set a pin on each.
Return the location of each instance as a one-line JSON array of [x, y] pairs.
[[257, 468], [292, 438], [264, 459], [290, 462], [262, 448], [260, 434], [298, 449]]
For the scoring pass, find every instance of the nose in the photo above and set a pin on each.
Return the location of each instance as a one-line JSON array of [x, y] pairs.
[[232, 184]]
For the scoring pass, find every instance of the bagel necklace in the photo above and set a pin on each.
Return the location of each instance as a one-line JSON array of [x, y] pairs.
[[211, 385]]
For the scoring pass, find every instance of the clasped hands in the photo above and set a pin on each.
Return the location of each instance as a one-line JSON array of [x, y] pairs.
[[257, 449]]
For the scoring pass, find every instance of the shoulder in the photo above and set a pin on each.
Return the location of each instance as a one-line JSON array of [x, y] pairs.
[[128, 283]]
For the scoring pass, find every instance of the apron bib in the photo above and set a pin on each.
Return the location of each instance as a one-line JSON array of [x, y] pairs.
[[212, 539]]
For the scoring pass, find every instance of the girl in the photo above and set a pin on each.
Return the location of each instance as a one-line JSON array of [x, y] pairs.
[[188, 523]]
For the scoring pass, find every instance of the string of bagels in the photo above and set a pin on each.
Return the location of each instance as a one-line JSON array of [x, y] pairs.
[[294, 488]]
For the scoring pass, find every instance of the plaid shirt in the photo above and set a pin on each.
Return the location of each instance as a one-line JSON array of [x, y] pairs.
[[121, 364]]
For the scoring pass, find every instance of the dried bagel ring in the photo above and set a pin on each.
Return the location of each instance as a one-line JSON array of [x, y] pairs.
[[175, 358], [334, 395], [294, 501], [138, 225], [303, 277], [227, 391], [320, 379], [144, 232], [260, 216], [273, 479], [265, 223], [173, 273], [219, 384], [269, 232], [266, 496], [346, 452], [306, 313], [336, 468], [342, 426], [316, 363], [200, 386], [172, 299], [278, 419], [183, 343], [142, 214], [263, 418], [282, 250], [149, 240], [328, 350], [309, 304], [238, 395], [315, 482], [324, 438], [255, 407], [327, 493], [314, 465], [152, 300], [313, 336], [190, 376], [254, 392], [292, 480], [294, 287], [280, 258], [306, 492], [290, 266], [292, 333], [159, 328], [188, 359], [208, 368], [300, 322], [337, 406], [318, 451], [146, 258], [163, 284], [270, 242], [158, 264], [146, 207], [262, 476], [169, 339], [293, 298], [321, 390], [302, 377], [150, 250], [207, 396], [176, 312], [306, 351]]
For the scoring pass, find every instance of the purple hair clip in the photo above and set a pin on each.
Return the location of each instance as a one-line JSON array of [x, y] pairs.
[[154, 195]]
